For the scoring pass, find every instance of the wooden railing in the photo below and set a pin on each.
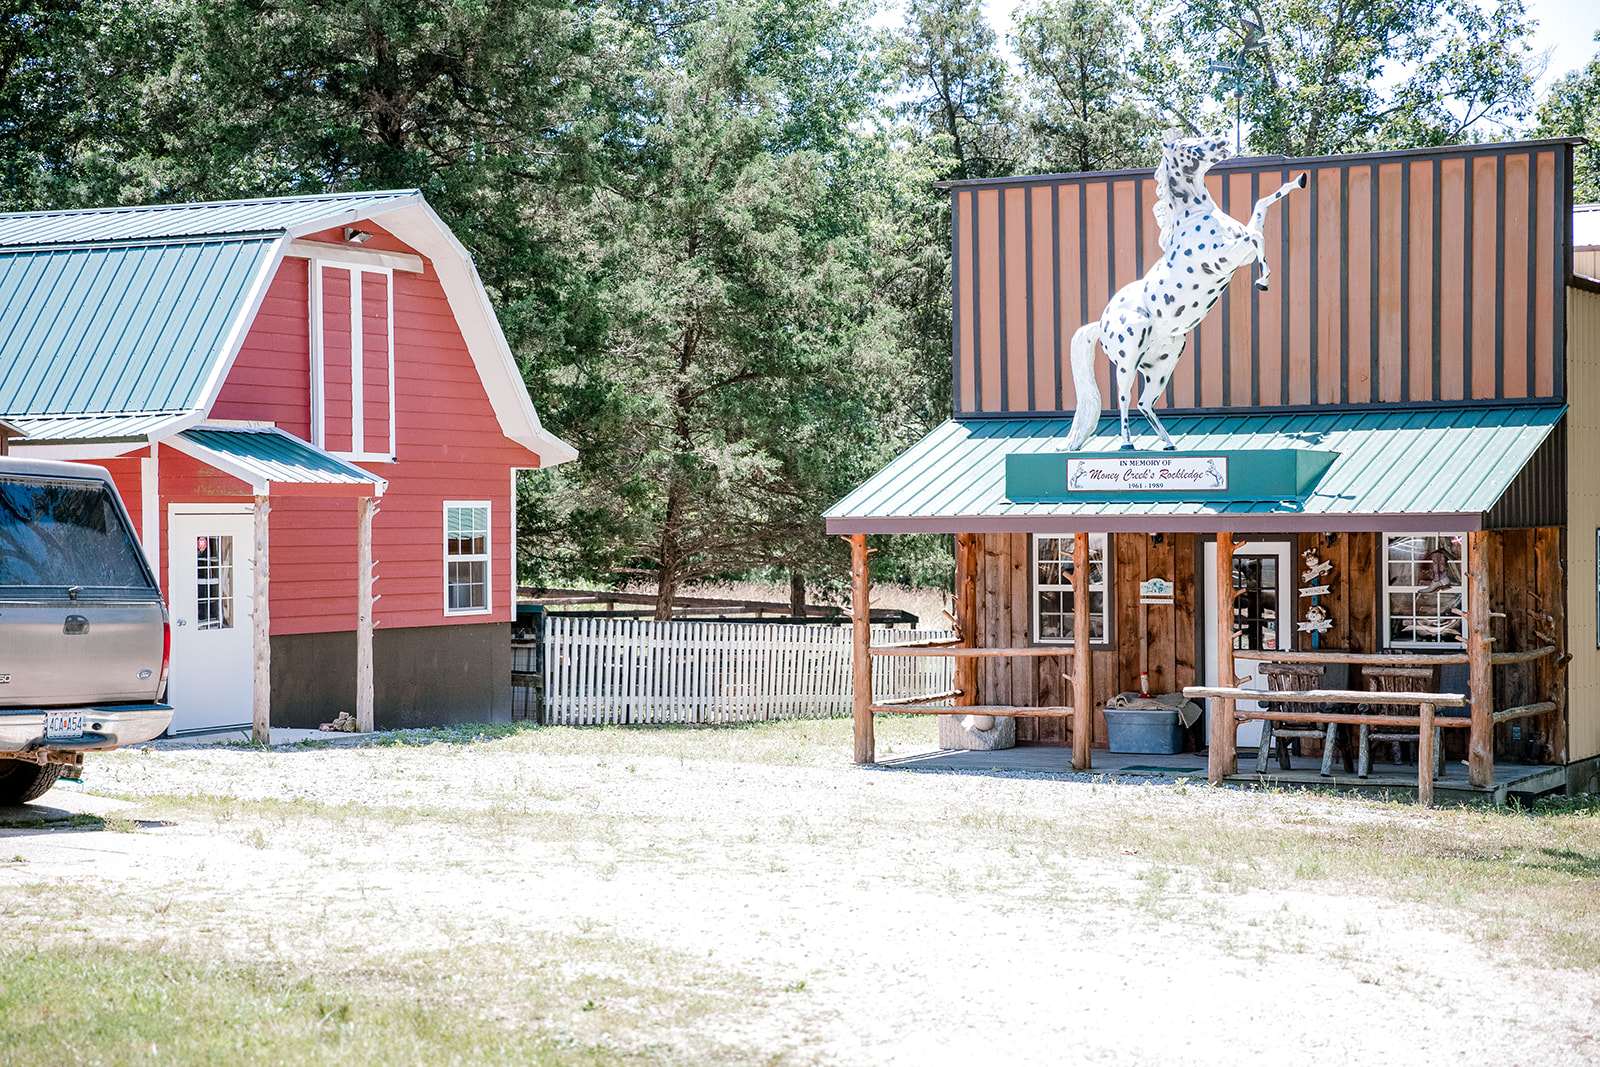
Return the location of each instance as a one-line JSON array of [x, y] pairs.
[[1425, 721]]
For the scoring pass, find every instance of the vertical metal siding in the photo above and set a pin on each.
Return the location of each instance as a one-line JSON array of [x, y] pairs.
[[1400, 277], [1583, 514]]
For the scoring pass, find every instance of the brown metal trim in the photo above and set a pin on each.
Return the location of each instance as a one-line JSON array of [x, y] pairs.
[[1344, 284], [1405, 283], [1563, 252], [1275, 162], [955, 300], [1439, 282], [1005, 307], [1316, 213], [1374, 383], [1468, 253], [1532, 351], [1285, 284], [1499, 275], [977, 309], [1258, 524], [1027, 270], [1055, 287]]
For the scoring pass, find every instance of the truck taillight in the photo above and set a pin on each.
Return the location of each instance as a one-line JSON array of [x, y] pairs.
[[166, 656]]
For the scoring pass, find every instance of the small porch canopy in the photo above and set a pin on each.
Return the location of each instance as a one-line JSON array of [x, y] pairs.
[[1463, 469], [271, 462]]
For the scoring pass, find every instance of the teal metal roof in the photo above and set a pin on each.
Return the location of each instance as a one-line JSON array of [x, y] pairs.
[[134, 328], [294, 215], [1393, 469], [274, 461]]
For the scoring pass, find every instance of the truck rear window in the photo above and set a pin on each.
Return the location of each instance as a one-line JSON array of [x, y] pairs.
[[61, 534]]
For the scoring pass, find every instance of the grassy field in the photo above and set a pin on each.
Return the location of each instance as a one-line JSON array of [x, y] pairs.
[[679, 895]]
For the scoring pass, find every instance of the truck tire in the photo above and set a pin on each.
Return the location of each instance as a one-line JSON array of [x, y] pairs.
[[22, 780]]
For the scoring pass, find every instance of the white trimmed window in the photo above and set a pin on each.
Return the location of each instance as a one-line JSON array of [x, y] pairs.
[[1054, 602], [466, 557], [1424, 584]]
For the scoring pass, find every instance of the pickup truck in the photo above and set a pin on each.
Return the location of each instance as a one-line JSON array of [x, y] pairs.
[[84, 635]]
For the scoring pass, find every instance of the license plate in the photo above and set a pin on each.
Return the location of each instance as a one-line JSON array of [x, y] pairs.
[[61, 725]]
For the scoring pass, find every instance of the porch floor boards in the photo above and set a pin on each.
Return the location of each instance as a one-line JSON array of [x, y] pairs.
[[1450, 787]]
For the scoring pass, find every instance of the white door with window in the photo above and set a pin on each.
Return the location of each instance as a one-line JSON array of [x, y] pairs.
[[1263, 616], [210, 581]]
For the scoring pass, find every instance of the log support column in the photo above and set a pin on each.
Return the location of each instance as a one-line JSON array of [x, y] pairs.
[[861, 659], [1082, 678], [968, 548], [1480, 671], [261, 623], [1223, 729], [365, 508]]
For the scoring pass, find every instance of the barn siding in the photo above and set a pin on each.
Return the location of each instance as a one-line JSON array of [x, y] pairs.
[[1394, 279], [271, 377], [448, 447]]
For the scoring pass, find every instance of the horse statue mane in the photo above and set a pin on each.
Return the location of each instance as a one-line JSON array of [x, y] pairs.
[[1144, 326]]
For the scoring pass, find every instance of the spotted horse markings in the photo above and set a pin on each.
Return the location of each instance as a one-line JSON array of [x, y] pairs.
[[1140, 330]]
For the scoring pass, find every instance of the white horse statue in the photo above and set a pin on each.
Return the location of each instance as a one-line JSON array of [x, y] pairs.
[[1144, 326]]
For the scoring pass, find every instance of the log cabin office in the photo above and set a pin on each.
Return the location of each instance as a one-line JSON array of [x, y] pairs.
[[1383, 454]]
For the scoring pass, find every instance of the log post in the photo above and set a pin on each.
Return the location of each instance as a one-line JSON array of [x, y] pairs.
[[261, 697], [1480, 670], [364, 599], [1425, 757], [968, 549], [1082, 678], [1222, 759], [861, 658]]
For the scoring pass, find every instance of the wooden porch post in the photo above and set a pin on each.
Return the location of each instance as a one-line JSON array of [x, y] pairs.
[[261, 705], [861, 659], [1082, 678], [966, 672], [1222, 735], [1480, 671], [364, 598]]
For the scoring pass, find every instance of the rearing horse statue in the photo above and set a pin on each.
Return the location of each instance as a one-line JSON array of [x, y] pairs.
[[1143, 327]]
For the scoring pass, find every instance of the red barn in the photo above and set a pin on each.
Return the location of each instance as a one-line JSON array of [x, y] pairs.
[[311, 411]]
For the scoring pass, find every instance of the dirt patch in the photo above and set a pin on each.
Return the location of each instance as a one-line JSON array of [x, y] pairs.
[[747, 895]]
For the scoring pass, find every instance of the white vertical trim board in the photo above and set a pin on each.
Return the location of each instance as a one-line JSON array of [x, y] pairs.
[[319, 369], [150, 509], [358, 365]]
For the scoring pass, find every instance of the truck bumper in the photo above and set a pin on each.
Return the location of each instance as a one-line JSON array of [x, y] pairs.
[[104, 727]]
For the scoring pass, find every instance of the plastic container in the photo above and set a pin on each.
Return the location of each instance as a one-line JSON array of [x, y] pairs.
[[1148, 732]]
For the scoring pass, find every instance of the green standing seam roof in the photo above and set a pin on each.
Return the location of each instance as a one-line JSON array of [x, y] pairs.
[[1392, 466], [120, 328], [264, 456]]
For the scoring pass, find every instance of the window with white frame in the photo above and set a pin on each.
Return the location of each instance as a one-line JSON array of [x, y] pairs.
[[466, 557], [1424, 585], [1054, 600]]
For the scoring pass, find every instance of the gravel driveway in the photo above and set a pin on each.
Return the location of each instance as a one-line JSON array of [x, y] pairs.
[[748, 896]]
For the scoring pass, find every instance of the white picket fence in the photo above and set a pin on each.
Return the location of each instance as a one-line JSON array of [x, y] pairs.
[[606, 670]]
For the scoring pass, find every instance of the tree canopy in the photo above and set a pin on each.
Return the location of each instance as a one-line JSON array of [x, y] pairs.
[[710, 226]]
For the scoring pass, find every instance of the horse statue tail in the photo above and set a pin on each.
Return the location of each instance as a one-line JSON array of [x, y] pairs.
[[1087, 417]]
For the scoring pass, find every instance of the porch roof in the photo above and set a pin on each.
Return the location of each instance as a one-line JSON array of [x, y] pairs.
[[271, 461], [1411, 469]]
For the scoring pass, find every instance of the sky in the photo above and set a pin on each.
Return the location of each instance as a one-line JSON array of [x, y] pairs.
[[1567, 27]]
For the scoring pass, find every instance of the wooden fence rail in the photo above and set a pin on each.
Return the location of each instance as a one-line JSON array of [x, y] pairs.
[[610, 670]]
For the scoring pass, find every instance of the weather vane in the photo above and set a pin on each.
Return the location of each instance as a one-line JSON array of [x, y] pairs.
[[1233, 74]]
